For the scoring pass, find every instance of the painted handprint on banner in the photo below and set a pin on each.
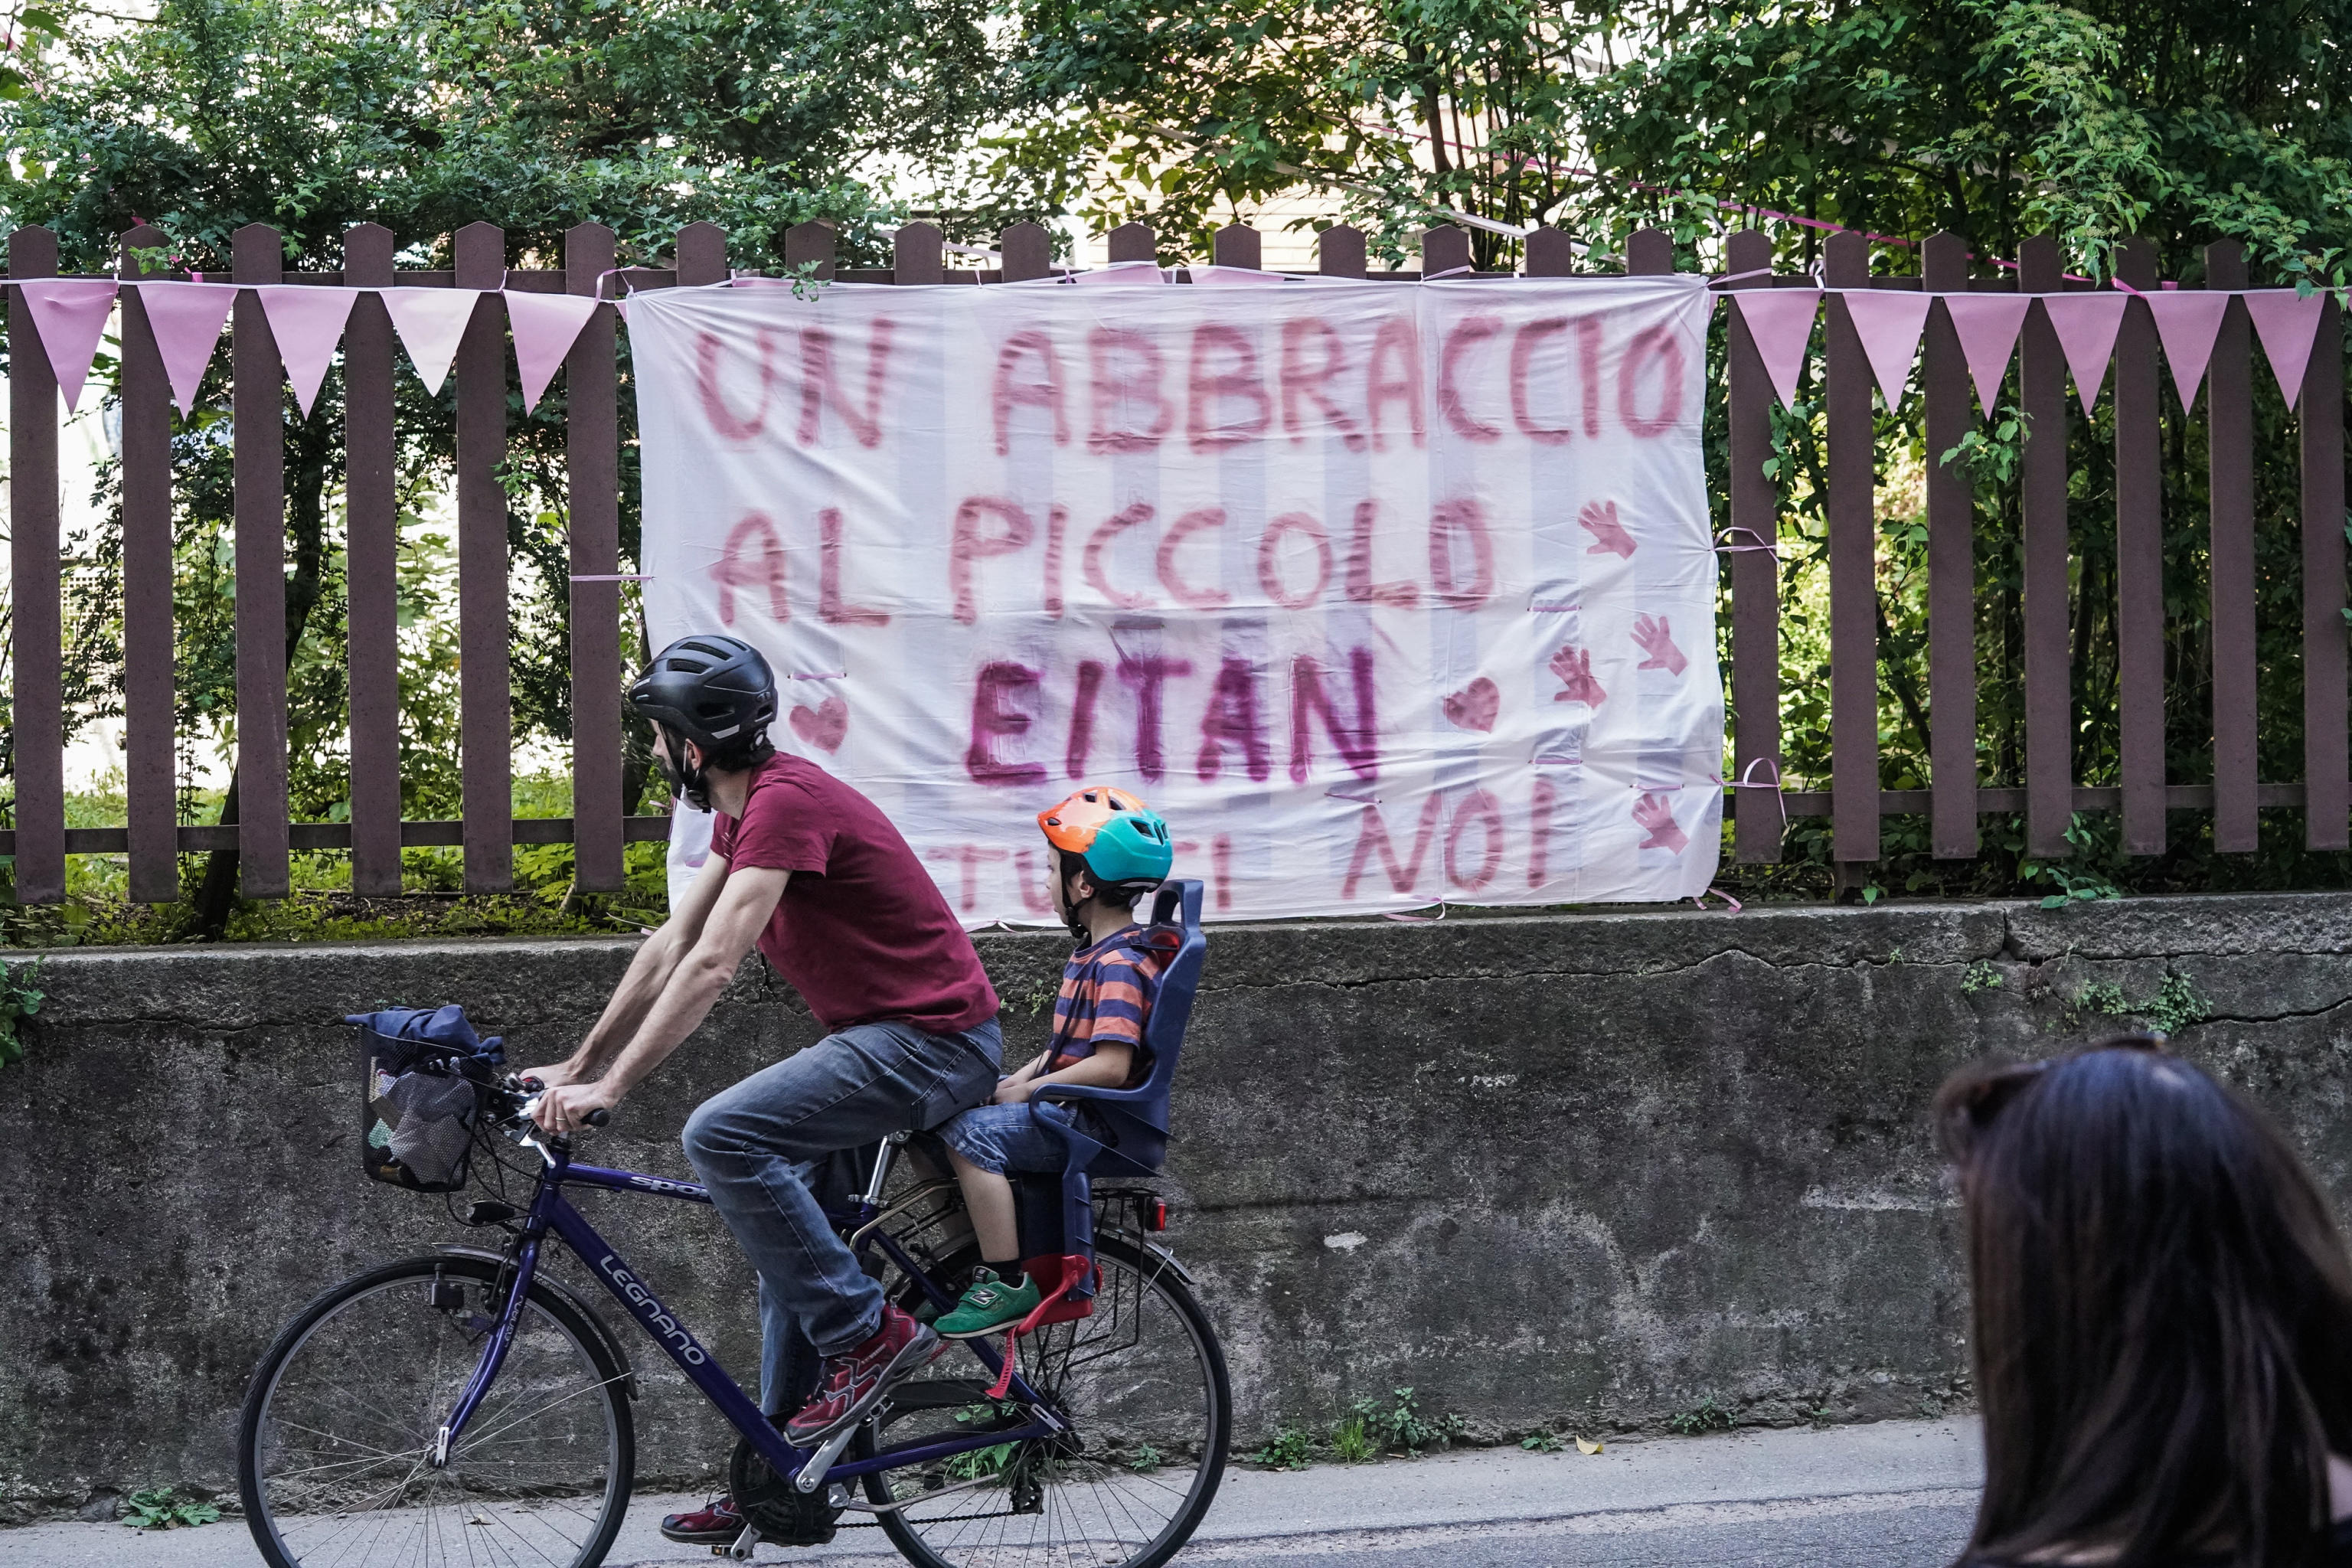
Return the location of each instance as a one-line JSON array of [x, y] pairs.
[[1655, 640], [1655, 816], [1574, 667], [1599, 519]]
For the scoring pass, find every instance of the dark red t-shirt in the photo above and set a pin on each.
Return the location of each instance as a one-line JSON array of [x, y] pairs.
[[862, 931]]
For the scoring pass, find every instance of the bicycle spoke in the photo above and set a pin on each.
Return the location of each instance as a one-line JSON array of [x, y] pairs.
[[346, 1481], [1140, 1386]]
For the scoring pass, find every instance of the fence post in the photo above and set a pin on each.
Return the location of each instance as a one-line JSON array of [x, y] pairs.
[[2229, 426], [1550, 254], [36, 694], [372, 518], [1236, 245], [2327, 794], [591, 461], [485, 697], [2049, 700], [1853, 586], [1755, 572], [810, 242], [1648, 252], [917, 256], [1133, 242], [1951, 563], [258, 405], [1340, 251], [701, 255], [1444, 250], [1028, 252], [2139, 560], [148, 771]]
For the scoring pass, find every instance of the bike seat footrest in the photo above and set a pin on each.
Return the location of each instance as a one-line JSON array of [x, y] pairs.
[[1066, 1286]]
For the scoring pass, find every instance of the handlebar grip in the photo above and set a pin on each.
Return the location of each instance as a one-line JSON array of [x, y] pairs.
[[598, 1117]]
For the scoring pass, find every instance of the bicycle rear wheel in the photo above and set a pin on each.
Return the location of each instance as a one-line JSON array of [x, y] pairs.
[[334, 1449], [1142, 1382]]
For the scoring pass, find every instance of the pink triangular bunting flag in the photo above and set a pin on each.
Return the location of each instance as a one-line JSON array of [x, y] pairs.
[[1780, 322], [430, 321], [308, 323], [2087, 325], [2286, 324], [2189, 320], [186, 319], [545, 326], [70, 315], [1888, 322], [1988, 326]]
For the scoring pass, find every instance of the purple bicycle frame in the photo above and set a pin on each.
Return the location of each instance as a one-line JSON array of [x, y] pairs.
[[550, 1212]]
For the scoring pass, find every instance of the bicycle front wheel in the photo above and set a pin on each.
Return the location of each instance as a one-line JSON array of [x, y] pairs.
[[335, 1450], [1142, 1384]]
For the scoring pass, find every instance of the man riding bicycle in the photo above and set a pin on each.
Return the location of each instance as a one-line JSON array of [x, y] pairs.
[[819, 877]]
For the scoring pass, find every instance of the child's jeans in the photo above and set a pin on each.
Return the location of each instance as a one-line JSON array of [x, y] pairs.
[[1001, 1138]]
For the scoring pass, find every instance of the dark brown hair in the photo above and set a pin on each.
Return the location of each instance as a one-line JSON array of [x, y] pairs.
[[2163, 1313]]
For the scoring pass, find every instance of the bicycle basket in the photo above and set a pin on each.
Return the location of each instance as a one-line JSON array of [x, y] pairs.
[[423, 1097]]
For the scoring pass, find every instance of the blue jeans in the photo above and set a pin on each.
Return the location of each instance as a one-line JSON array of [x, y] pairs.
[[1001, 1138], [773, 1149]]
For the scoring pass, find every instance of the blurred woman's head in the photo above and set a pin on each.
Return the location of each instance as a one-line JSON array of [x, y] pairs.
[[2163, 1314]]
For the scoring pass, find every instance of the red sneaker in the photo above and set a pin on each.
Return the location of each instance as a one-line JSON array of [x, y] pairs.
[[849, 1386], [715, 1524]]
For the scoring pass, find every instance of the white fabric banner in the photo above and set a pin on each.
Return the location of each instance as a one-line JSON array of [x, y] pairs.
[[1383, 594]]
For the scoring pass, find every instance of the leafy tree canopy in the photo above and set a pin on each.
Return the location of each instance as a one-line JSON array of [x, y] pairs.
[[1997, 118], [424, 115]]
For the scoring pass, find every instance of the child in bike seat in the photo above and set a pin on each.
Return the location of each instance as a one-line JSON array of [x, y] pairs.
[[1108, 850]]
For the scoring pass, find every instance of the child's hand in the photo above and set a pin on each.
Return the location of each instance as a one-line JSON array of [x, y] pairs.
[[1014, 1091]]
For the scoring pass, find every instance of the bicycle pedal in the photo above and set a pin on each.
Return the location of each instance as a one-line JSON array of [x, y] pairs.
[[742, 1547]]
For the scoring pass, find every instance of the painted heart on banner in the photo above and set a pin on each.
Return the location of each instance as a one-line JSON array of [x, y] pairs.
[[1474, 706], [825, 725]]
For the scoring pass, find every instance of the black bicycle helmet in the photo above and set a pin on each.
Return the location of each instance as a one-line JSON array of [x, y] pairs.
[[717, 691]]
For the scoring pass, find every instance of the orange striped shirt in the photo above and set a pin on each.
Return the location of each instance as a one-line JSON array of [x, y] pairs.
[[1107, 990]]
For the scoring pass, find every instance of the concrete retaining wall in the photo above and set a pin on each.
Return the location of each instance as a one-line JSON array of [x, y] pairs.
[[1588, 1169]]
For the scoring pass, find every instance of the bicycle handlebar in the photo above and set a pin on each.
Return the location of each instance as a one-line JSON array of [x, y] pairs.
[[524, 1093]]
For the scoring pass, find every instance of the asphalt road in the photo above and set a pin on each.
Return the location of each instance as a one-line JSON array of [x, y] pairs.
[[1895, 1495]]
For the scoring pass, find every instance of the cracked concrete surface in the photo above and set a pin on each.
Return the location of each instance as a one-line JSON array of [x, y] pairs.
[[1609, 1168]]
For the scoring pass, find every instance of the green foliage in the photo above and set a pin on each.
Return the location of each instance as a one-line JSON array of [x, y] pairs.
[[1542, 1443], [991, 1462], [2102, 997], [2073, 887], [2175, 1004], [1351, 1443], [1290, 1449], [1396, 1424], [1980, 976], [98, 910], [1145, 1459], [20, 998], [168, 1507], [1710, 1415]]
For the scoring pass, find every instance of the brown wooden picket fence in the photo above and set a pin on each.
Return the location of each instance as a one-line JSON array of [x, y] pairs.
[[153, 839]]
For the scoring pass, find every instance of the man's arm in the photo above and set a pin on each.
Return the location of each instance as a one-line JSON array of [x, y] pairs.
[[649, 971], [738, 913]]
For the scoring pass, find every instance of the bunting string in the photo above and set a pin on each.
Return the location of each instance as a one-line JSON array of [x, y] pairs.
[[307, 321]]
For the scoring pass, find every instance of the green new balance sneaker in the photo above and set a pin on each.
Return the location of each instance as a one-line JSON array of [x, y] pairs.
[[987, 1306]]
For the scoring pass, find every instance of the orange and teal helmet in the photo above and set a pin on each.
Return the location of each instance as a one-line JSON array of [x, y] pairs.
[[1124, 843]]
